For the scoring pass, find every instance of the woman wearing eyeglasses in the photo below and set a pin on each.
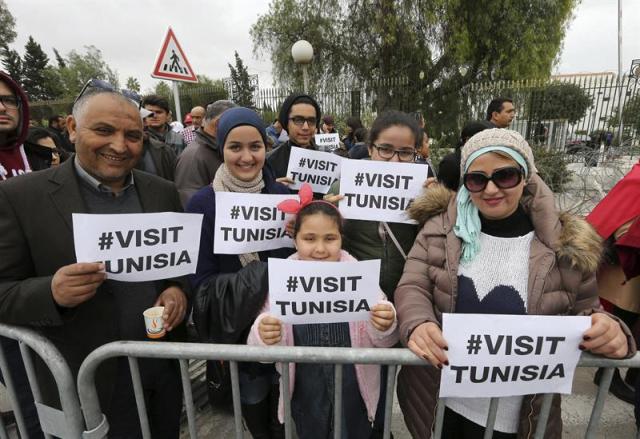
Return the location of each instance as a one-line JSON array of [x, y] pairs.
[[394, 137], [502, 231]]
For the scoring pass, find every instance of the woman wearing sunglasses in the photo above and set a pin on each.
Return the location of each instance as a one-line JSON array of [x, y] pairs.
[[500, 230]]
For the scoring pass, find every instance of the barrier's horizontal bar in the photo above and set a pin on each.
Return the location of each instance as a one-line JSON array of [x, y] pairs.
[[295, 354]]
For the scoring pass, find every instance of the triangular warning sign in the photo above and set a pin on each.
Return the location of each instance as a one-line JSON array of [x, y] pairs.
[[172, 63]]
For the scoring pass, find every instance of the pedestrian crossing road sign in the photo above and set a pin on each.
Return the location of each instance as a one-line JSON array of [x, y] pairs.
[[172, 62]]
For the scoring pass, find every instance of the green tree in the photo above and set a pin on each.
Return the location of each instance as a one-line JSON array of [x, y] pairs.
[[432, 48], [560, 101], [80, 67], [191, 94], [241, 83], [7, 25], [12, 63], [631, 116], [162, 89], [59, 59], [39, 80], [133, 84], [203, 81], [205, 91]]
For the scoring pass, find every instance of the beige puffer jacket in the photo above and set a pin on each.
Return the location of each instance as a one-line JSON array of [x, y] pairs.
[[564, 256]]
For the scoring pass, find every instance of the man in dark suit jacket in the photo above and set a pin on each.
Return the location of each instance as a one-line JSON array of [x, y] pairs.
[[73, 304]]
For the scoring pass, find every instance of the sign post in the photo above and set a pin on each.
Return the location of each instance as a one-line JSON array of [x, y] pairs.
[[172, 64], [176, 99]]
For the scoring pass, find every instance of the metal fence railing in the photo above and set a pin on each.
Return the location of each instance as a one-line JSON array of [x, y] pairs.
[[89, 422], [64, 423], [554, 112], [565, 108], [337, 356]]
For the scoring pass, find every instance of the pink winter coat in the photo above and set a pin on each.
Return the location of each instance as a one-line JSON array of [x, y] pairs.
[[363, 335]]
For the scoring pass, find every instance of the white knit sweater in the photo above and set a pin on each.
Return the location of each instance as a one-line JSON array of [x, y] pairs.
[[500, 263]]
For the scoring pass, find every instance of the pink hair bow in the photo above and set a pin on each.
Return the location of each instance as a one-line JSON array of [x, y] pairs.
[[305, 194]]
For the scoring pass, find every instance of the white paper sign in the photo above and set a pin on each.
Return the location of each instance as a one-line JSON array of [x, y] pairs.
[[506, 355], [327, 142], [380, 191], [247, 223], [140, 246], [322, 292], [319, 169]]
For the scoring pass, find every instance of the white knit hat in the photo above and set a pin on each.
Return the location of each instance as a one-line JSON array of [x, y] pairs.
[[498, 137]]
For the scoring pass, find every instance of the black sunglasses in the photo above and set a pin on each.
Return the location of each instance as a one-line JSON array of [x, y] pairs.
[[104, 85], [504, 178]]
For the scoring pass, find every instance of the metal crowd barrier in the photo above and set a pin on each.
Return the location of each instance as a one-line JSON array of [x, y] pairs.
[[97, 422], [65, 423], [68, 422]]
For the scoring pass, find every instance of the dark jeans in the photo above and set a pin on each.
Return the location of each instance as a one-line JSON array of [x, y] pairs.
[[378, 422], [262, 418], [163, 398], [21, 383], [458, 427], [312, 403]]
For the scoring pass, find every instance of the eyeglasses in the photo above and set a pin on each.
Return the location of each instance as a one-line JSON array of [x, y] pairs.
[[504, 178], [104, 85], [300, 120], [10, 101], [387, 152]]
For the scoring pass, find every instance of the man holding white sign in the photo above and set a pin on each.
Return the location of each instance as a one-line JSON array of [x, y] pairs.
[[139, 247], [498, 247], [300, 116], [44, 285]]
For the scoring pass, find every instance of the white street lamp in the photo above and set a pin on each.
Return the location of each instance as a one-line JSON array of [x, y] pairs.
[[302, 53]]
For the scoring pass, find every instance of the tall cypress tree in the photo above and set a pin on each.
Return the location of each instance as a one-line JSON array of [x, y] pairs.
[[12, 63], [241, 83], [36, 75], [59, 59]]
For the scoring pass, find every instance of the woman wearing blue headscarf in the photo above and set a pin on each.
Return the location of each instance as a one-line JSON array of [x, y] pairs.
[[230, 290], [498, 246]]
